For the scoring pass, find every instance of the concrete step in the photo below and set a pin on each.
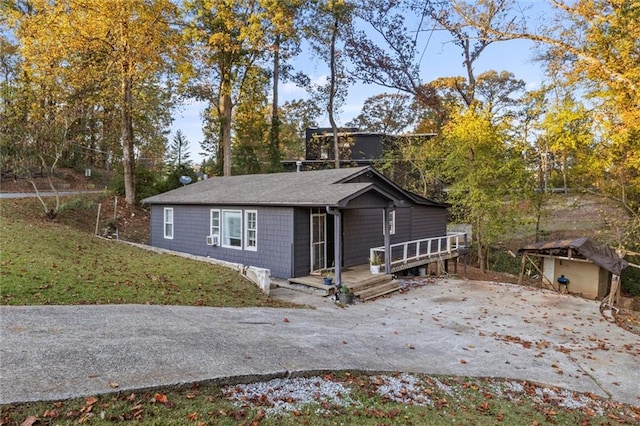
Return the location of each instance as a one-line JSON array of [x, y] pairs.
[[306, 288], [378, 290]]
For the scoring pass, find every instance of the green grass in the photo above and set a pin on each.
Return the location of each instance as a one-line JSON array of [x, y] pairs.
[[46, 262], [428, 400]]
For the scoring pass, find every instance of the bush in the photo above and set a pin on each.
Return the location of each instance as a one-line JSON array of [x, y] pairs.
[[631, 281], [78, 203], [145, 183]]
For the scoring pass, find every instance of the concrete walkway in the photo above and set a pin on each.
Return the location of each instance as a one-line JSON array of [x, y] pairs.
[[451, 327]]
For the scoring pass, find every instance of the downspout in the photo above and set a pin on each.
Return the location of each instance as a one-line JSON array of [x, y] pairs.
[[337, 243], [387, 240]]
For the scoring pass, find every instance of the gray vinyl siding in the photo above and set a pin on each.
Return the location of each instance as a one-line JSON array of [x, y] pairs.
[[429, 222], [363, 229], [191, 225], [301, 242]]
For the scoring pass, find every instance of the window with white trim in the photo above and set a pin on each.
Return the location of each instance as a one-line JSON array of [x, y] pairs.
[[232, 228], [168, 223], [251, 230], [215, 223]]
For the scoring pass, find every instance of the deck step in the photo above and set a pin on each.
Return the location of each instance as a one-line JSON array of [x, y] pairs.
[[369, 282], [378, 290]]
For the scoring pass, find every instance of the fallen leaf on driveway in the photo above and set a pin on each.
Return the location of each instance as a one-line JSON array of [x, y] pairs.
[[285, 319]]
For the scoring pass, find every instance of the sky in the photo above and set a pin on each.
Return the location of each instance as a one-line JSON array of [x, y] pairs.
[[441, 58]]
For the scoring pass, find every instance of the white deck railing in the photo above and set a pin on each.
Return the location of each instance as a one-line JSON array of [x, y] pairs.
[[410, 251]]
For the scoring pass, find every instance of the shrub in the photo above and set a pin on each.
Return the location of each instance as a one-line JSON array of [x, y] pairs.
[[631, 281]]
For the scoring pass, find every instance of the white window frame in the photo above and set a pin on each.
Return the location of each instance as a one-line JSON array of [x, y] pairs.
[[223, 235], [247, 230], [167, 219], [213, 229], [391, 222]]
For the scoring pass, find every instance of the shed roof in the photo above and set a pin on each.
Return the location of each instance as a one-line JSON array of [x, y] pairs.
[[331, 187], [598, 253]]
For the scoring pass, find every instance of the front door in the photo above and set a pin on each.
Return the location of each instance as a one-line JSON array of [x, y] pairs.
[[318, 242]]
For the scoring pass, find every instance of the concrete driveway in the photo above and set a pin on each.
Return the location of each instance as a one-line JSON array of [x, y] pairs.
[[8, 195], [450, 327]]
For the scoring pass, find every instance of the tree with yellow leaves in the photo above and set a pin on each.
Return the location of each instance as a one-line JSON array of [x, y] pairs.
[[112, 50]]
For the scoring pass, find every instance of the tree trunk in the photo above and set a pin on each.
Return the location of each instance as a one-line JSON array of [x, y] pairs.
[[481, 262], [226, 132], [564, 175], [274, 134], [126, 133], [332, 95]]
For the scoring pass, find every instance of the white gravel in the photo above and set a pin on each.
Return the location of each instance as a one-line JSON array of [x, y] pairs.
[[405, 389], [287, 395], [282, 396]]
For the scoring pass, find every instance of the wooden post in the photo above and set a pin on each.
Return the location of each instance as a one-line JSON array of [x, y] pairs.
[[98, 218], [614, 294], [387, 242], [337, 246], [524, 261]]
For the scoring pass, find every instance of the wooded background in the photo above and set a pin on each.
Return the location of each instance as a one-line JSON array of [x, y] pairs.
[[94, 84]]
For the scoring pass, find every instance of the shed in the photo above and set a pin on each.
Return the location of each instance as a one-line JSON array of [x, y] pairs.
[[585, 263]]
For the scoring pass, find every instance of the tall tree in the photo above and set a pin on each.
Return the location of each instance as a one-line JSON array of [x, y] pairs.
[[472, 40], [487, 175], [178, 150], [328, 25], [498, 93], [390, 113], [297, 115], [111, 48], [285, 40], [595, 43], [383, 47], [228, 38], [251, 132]]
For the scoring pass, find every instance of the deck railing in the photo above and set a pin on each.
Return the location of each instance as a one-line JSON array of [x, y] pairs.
[[410, 251]]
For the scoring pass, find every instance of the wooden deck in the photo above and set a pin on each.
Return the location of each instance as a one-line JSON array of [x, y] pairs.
[[412, 254], [358, 278], [423, 260], [404, 256]]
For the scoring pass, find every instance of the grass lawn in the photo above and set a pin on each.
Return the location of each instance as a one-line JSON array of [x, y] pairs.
[[336, 399], [53, 262]]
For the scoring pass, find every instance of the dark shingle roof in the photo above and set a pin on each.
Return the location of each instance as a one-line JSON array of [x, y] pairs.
[[598, 253], [312, 188]]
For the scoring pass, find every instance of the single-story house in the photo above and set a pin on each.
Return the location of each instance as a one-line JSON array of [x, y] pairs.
[[295, 223], [580, 266]]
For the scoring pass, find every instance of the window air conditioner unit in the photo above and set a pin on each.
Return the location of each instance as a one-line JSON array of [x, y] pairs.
[[213, 240]]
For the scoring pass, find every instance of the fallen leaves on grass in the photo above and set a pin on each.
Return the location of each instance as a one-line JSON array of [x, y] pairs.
[[30, 421]]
